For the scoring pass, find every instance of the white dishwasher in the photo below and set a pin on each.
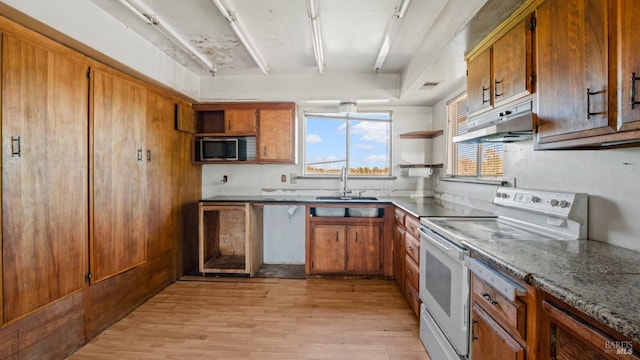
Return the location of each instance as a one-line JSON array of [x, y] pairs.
[[283, 234]]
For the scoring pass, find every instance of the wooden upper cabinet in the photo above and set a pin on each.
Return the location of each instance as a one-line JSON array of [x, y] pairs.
[[512, 63], [573, 84], [276, 136], [504, 71], [118, 110], [479, 89], [240, 121], [44, 173], [629, 64]]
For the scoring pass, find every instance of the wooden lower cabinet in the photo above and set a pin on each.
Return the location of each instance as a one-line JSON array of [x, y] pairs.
[[502, 328], [490, 341], [406, 257], [349, 249], [230, 238], [328, 249], [566, 334], [349, 245]]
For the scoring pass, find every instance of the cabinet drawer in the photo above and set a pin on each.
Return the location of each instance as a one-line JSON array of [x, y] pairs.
[[411, 293], [413, 226], [399, 216], [412, 247], [411, 271], [511, 315]]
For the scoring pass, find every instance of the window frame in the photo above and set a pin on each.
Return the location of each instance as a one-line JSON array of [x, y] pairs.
[[451, 170], [348, 117]]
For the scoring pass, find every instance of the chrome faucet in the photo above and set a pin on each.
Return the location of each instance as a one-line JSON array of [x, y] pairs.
[[344, 176]]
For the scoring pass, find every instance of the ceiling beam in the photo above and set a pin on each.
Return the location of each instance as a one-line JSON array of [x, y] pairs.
[[231, 15]]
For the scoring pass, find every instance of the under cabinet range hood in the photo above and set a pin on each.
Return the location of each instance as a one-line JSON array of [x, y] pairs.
[[514, 123]]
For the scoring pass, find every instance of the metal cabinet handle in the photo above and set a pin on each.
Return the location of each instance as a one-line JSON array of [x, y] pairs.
[[483, 90], [15, 146], [473, 332], [589, 93], [336, 236], [148, 154], [139, 154], [495, 87], [633, 90], [489, 299]]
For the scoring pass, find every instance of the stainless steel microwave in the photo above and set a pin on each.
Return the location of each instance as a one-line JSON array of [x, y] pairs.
[[220, 149]]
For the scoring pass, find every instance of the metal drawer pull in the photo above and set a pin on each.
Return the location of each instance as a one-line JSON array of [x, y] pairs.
[[489, 298], [139, 154], [15, 146], [633, 90]]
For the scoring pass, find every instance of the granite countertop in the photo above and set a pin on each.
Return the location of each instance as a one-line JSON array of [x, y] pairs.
[[416, 206], [601, 280]]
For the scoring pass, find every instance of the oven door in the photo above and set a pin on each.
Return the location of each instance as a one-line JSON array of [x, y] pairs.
[[444, 287]]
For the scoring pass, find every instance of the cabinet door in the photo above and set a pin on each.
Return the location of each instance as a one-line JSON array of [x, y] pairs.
[[572, 70], [398, 255], [328, 248], [276, 136], [240, 121], [44, 174], [490, 341], [161, 170], [479, 89], [512, 63], [364, 249], [118, 111], [629, 63]]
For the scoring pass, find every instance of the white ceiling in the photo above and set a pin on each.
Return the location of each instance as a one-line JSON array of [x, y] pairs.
[[429, 46]]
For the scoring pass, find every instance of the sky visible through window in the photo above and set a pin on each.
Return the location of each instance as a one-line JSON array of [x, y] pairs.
[[368, 143]]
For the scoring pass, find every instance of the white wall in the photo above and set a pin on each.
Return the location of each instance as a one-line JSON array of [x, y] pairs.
[[609, 176], [265, 179]]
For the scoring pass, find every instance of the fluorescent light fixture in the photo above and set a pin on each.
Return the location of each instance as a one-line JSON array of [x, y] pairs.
[[143, 12], [230, 14], [312, 6], [390, 34]]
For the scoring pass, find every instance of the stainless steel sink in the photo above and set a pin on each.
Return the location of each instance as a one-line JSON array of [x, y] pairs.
[[363, 212], [347, 198]]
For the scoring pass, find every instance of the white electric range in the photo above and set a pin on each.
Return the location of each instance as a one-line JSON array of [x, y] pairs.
[[444, 274]]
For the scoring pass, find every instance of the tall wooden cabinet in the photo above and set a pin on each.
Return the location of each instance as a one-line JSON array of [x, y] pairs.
[[118, 119], [44, 173], [98, 195]]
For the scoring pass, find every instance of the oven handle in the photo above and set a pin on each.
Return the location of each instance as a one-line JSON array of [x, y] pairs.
[[452, 251]]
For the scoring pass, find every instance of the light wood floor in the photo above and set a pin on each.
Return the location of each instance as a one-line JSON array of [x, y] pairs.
[[266, 319]]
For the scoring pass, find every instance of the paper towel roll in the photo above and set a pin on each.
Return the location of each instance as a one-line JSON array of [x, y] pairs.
[[420, 172]]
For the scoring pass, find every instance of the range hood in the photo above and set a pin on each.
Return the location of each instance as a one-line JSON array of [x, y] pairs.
[[505, 125]]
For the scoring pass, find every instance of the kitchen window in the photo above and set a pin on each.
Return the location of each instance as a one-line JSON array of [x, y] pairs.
[[470, 160], [361, 142]]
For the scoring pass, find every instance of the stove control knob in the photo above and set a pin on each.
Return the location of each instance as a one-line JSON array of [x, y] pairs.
[[564, 204], [498, 195], [535, 199], [554, 202], [505, 195]]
